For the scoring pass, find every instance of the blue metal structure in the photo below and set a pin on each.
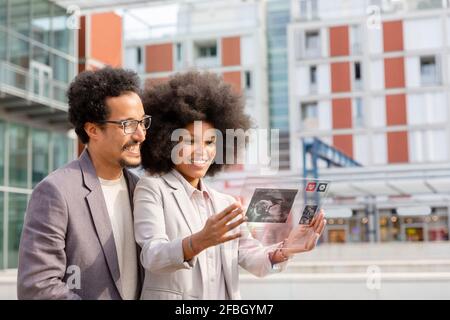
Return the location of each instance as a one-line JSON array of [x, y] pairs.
[[320, 150]]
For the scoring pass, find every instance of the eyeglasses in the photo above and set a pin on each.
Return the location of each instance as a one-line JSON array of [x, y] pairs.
[[130, 126]]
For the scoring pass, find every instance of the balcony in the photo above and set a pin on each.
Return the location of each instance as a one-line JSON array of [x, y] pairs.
[[32, 96]]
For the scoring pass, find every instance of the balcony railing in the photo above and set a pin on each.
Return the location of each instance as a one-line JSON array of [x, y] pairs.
[[23, 83]]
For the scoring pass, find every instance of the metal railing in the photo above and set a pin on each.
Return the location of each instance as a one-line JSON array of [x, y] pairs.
[[21, 82]]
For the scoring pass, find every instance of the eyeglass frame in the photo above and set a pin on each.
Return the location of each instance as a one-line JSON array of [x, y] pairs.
[[123, 123]]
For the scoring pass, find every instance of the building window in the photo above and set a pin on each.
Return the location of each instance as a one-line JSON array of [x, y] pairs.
[[40, 155], [62, 150], [134, 59], [139, 55], [2, 263], [313, 75], [429, 70], [18, 156], [356, 39], [248, 80], [179, 52], [207, 50], [312, 43], [309, 115], [313, 78], [2, 155], [358, 113], [308, 9], [357, 75], [206, 53], [17, 206]]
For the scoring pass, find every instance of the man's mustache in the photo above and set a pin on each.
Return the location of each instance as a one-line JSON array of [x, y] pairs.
[[130, 144]]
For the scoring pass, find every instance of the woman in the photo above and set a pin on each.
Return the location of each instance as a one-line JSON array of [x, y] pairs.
[[193, 237]]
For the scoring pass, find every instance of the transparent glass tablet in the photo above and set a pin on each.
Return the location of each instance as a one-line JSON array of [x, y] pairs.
[[275, 206]]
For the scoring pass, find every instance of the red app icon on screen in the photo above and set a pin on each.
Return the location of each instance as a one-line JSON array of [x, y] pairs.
[[311, 187]]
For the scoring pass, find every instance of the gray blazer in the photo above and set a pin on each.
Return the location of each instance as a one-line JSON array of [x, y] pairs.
[[164, 215], [67, 229]]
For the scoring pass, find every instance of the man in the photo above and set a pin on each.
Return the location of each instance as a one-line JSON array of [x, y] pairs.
[[78, 240]]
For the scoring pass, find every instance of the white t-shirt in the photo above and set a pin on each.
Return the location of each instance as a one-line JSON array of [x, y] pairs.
[[119, 210]]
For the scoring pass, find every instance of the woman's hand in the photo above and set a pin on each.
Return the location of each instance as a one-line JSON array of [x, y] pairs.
[[215, 231], [304, 237]]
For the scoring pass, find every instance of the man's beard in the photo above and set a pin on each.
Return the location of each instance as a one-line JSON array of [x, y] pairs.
[[124, 163]]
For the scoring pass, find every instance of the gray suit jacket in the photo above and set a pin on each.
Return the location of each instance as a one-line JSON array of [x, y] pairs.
[[164, 215], [67, 232]]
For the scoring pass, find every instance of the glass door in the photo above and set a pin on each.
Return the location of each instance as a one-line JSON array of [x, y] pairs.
[[40, 82]]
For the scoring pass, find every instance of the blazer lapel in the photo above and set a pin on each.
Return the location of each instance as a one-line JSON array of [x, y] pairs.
[[191, 217], [184, 203], [131, 180], [99, 213]]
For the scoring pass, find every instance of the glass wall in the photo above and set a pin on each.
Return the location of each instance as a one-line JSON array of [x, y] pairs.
[[19, 51], [1, 231], [40, 155], [41, 21], [278, 15], [18, 156], [2, 41], [2, 153], [3, 13], [16, 211], [38, 52], [20, 16], [44, 23], [63, 37], [62, 150], [31, 155]]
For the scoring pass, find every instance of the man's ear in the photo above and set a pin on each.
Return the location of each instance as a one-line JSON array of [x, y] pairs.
[[92, 130]]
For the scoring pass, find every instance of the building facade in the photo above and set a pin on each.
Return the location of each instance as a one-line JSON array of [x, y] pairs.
[[278, 17], [37, 62], [371, 79], [225, 37]]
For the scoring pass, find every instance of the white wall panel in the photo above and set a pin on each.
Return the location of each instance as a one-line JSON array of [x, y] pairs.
[[302, 81], [379, 148], [377, 75], [324, 113], [247, 51], [422, 34], [361, 149], [323, 78], [378, 112], [412, 72]]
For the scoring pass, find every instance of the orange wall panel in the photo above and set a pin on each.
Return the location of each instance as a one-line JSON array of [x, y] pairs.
[[233, 78], [394, 73], [231, 51], [106, 39], [342, 113], [396, 110], [393, 36], [159, 57], [344, 143], [339, 41], [340, 77], [397, 143]]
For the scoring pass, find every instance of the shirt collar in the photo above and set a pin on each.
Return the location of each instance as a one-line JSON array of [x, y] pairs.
[[190, 190]]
